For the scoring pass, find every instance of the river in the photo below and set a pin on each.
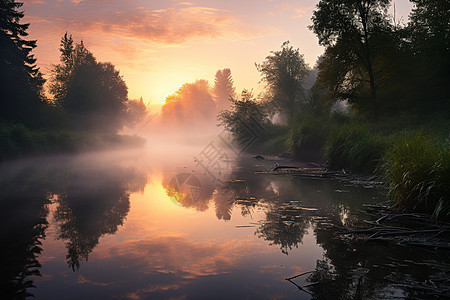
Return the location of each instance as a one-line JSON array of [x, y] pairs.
[[129, 225]]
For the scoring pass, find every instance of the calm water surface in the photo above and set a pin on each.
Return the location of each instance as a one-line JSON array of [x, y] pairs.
[[129, 226]]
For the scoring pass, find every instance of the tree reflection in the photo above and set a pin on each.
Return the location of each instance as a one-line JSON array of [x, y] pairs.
[[354, 269], [285, 225], [83, 219], [23, 211], [223, 203], [94, 202], [189, 190], [91, 197], [286, 220]]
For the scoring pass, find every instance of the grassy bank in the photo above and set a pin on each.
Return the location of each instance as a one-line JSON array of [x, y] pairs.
[[413, 160], [417, 169], [16, 140]]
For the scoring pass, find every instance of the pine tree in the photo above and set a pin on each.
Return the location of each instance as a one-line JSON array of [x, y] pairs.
[[20, 79], [223, 89]]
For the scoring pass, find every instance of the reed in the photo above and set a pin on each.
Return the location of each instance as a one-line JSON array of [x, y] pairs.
[[417, 169], [353, 147], [307, 138]]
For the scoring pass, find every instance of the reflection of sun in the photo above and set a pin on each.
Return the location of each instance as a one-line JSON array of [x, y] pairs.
[[175, 196]]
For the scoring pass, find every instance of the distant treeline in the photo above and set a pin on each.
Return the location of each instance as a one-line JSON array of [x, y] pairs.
[[84, 95]]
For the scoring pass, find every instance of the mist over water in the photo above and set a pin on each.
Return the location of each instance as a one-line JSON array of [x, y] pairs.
[[162, 221]]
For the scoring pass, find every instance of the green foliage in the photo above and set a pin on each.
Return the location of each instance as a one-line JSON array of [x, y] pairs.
[[381, 67], [429, 35], [307, 138], [16, 140], [353, 146], [92, 94], [246, 119], [354, 34], [418, 170], [275, 139], [283, 72]]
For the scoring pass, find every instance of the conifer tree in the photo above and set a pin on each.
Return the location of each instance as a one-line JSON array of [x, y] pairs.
[[20, 79]]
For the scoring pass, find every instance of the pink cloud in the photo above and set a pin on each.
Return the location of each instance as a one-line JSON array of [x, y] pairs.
[[288, 6], [36, 2], [173, 25], [180, 256]]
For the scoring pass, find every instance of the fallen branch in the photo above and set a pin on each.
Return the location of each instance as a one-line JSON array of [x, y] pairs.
[[289, 278]]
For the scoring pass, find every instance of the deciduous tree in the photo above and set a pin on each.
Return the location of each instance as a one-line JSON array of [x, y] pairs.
[[353, 32], [283, 72], [93, 94]]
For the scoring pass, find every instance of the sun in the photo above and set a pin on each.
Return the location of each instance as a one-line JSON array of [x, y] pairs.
[[163, 100]]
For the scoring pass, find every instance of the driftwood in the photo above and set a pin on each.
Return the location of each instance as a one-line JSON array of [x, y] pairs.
[[301, 288], [406, 229], [324, 173]]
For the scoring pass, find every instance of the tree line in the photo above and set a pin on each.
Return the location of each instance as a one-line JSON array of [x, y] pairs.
[[380, 67], [377, 65], [86, 95]]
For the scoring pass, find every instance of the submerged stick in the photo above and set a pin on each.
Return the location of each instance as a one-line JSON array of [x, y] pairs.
[[299, 275]]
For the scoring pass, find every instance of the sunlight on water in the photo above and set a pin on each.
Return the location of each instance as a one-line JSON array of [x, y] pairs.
[[153, 224], [163, 248]]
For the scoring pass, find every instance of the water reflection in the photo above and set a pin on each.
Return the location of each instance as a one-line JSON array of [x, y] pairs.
[[189, 190], [91, 199], [23, 210], [355, 269], [186, 235]]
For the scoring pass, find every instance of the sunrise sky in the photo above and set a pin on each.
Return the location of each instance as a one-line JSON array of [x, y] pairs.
[[160, 44]]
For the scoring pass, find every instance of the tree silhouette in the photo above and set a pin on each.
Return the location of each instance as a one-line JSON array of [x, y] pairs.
[[23, 213], [21, 244], [92, 94], [429, 37], [352, 31], [245, 120], [223, 89], [136, 112], [20, 80], [283, 72]]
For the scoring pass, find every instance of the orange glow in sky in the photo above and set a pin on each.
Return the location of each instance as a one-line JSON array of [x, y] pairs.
[[160, 45]]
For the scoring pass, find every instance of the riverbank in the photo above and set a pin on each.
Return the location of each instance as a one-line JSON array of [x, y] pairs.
[[413, 160], [17, 141]]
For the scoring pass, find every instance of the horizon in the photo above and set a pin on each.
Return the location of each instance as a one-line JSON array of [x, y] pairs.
[[158, 46]]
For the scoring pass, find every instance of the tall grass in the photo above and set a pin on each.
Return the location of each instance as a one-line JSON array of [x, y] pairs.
[[418, 171], [308, 137], [275, 140], [354, 147]]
